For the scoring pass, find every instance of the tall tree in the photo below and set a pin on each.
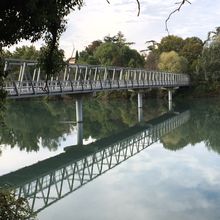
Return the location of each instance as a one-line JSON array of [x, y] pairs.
[[191, 50], [171, 43]]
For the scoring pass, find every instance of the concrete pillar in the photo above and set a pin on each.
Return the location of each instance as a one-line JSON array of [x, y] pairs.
[[169, 95], [140, 115], [170, 104], [79, 140], [79, 120], [79, 110], [140, 100], [140, 107]]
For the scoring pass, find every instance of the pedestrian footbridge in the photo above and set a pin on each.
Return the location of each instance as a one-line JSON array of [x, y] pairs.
[[26, 79]]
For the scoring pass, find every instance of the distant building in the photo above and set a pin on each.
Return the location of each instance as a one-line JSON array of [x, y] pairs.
[[71, 60]]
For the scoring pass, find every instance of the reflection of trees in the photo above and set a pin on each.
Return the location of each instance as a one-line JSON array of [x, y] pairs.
[[31, 123], [28, 122], [203, 125], [101, 119]]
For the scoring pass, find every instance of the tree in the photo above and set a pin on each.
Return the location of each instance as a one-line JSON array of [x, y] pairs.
[[209, 63], [77, 56], [208, 67], [108, 54], [191, 50], [152, 60], [117, 55], [87, 56], [32, 20], [113, 51], [12, 207], [172, 62], [171, 43], [24, 52], [51, 63]]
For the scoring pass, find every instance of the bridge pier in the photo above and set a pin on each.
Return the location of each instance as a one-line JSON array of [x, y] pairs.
[[170, 104], [79, 110], [140, 100], [140, 106], [79, 120], [79, 140]]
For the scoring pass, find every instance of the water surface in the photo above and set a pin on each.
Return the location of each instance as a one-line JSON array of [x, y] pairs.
[[175, 175]]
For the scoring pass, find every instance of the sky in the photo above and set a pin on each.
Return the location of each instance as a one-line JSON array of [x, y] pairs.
[[97, 19]]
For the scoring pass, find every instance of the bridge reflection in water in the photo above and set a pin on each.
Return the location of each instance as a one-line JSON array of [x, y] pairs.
[[48, 181]]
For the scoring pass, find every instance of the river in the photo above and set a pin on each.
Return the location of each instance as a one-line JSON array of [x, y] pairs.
[[165, 167]]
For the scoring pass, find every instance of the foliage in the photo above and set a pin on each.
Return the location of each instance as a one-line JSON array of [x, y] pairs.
[[51, 60], [113, 51], [191, 50], [152, 60], [12, 208], [203, 126], [32, 20], [209, 63], [108, 54], [42, 124], [24, 52], [87, 56], [172, 62], [170, 43]]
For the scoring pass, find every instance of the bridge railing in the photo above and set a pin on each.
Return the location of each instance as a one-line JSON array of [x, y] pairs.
[[26, 78]]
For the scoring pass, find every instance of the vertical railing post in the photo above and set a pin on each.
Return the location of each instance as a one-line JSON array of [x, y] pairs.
[[23, 71]]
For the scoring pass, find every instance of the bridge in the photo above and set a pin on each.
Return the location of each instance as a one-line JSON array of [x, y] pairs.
[[26, 79], [50, 180]]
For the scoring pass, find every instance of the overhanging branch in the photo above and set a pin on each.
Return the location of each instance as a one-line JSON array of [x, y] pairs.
[[138, 5], [176, 10]]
